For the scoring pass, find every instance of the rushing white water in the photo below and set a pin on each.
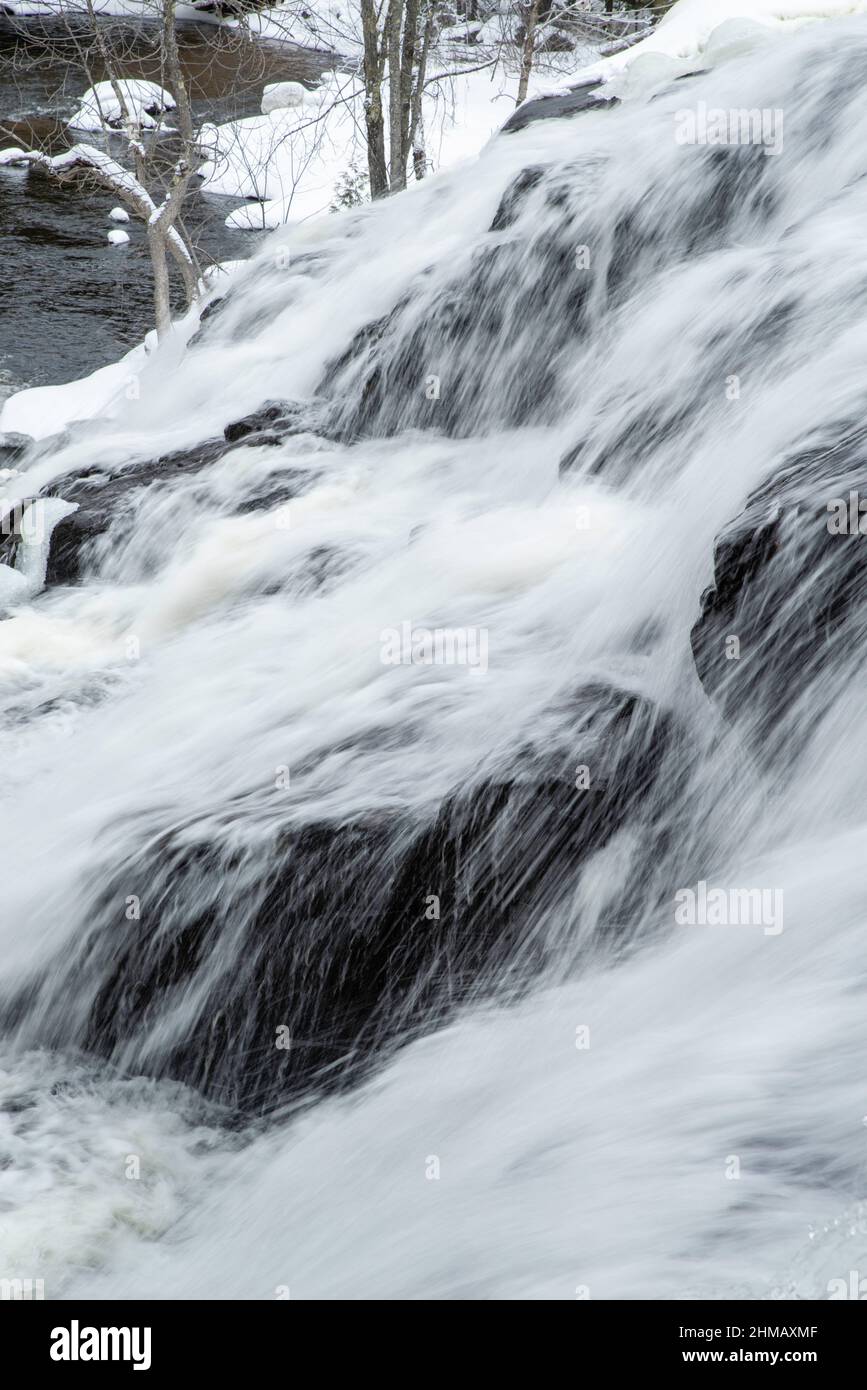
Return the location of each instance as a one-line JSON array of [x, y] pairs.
[[150, 709]]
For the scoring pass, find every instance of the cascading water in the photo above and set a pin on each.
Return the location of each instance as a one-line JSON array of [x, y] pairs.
[[528, 399]]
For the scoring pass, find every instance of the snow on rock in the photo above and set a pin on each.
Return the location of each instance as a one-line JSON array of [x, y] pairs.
[[279, 95], [37, 527], [130, 9], [119, 215], [690, 32], [12, 155], [118, 238], [146, 103]]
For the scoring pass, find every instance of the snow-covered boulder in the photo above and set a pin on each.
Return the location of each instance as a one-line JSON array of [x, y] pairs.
[[118, 238], [119, 215], [277, 96], [146, 103]]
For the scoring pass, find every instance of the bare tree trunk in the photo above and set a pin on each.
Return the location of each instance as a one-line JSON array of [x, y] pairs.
[[415, 137], [407, 64], [176, 77], [184, 169], [162, 236], [532, 15], [162, 296], [397, 174], [373, 115]]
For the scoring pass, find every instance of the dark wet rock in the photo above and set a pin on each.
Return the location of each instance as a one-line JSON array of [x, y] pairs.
[[352, 936], [429, 364], [791, 591], [101, 495], [729, 184], [207, 318], [644, 431], [485, 349], [271, 423], [13, 448], [570, 103], [516, 195]]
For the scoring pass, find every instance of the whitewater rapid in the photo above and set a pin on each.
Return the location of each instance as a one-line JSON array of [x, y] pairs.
[[498, 1156]]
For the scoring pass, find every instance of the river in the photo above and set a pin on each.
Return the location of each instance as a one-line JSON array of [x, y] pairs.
[[70, 302]]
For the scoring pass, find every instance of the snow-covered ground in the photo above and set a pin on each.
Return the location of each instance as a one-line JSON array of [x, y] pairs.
[[293, 159]]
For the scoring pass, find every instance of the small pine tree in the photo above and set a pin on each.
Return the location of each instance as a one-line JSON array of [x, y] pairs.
[[351, 189]]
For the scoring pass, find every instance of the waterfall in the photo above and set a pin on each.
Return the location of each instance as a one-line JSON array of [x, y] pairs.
[[459, 602]]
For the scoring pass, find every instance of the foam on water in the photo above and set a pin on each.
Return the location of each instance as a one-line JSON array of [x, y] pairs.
[[196, 658]]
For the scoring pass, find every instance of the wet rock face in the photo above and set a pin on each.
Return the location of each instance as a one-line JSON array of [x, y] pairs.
[[493, 347], [273, 422], [520, 303], [13, 448], [350, 936], [790, 587], [101, 495], [557, 107]]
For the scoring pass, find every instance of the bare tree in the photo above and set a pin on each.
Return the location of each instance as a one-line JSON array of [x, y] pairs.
[[397, 42], [149, 190], [531, 18]]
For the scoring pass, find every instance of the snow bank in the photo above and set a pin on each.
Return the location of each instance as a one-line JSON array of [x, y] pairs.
[[335, 26], [279, 95], [686, 33], [44, 410], [289, 157], [47, 8], [295, 161], [117, 9], [146, 103]]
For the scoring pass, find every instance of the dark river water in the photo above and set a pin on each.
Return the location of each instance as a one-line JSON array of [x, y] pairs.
[[70, 302]]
